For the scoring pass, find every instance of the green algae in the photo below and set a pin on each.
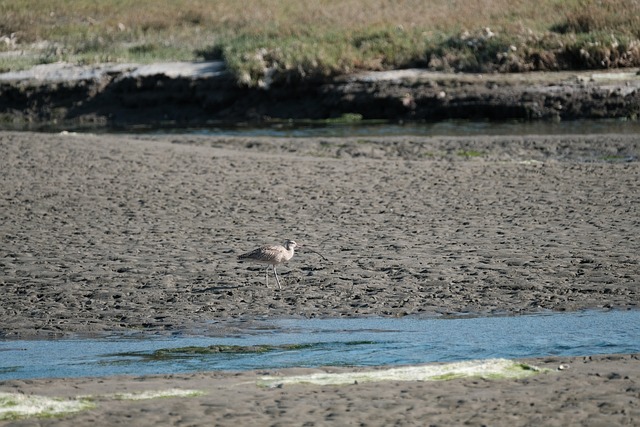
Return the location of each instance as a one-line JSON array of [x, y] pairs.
[[15, 406], [488, 369]]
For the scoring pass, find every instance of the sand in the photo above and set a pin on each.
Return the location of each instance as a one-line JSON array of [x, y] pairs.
[[592, 391], [114, 233]]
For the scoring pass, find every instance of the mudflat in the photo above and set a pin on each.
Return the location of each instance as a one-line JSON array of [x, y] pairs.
[[113, 233], [590, 391], [124, 232]]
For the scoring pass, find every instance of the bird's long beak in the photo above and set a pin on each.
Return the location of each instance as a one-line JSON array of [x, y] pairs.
[[317, 253]]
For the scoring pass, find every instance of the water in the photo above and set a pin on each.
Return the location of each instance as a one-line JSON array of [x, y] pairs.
[[287, 129], [365, 128], [323, 342]]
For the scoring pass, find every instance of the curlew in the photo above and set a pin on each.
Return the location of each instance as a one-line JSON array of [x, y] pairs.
[[272, 255]]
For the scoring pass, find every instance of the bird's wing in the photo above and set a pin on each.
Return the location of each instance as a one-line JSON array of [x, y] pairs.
[[264, 254]]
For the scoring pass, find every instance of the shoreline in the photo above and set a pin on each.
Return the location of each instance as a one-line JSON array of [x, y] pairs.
[[217, 327], [585, 391], [112, 96]]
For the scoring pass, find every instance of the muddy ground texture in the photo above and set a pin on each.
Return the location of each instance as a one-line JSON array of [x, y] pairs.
[[122, 232], [578, 391]]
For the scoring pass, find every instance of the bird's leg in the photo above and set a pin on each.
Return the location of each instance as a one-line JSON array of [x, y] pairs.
[[267, 276], [277, 279]]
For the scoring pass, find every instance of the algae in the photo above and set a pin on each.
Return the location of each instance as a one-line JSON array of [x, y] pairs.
[[187, 352], [488, 369], [14, 406]]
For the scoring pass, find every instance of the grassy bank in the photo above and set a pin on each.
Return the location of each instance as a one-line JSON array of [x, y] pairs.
[[263, 41]]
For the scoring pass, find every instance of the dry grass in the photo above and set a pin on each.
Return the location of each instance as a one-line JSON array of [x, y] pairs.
[[263, 40]]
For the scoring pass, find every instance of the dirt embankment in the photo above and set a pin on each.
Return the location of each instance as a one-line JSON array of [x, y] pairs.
[[201, 93]]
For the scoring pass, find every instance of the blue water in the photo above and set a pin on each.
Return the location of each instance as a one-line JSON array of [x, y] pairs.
[[345, 342]]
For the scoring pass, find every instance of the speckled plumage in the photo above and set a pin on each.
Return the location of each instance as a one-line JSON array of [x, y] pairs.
[[272, 255]]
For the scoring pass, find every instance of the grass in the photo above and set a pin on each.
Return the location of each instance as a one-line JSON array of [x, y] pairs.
[[266, 42]]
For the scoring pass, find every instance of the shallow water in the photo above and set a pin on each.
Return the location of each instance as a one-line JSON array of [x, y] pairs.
[[301, 129], [323, 342]]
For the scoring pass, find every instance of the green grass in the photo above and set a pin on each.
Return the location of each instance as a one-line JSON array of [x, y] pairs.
[[283, 41]]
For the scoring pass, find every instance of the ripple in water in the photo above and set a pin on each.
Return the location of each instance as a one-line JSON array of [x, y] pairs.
[[321, 342]]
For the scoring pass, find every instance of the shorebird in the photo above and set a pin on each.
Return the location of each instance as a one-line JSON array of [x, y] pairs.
[[273, 255]]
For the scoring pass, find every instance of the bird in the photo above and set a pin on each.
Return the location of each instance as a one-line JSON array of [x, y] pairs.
[[273, 255]]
